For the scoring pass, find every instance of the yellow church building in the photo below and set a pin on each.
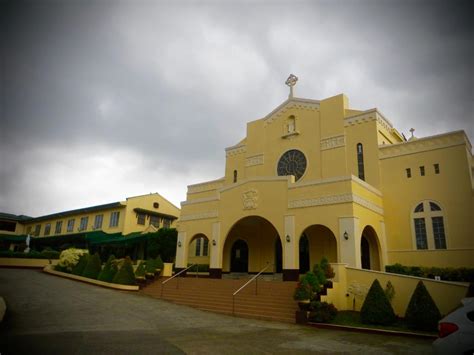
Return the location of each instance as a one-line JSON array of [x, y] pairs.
[[317, 178]]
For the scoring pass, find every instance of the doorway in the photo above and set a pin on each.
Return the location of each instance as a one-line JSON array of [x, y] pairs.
[[239, 257]]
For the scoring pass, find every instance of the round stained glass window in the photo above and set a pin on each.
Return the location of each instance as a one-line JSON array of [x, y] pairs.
[[293, 162]]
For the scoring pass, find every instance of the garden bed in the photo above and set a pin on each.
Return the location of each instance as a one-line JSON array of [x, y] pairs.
[[48, 269], [350, 321]]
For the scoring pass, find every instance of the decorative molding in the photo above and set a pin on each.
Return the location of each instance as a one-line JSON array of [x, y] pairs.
[[291, 103], [206, 186], [367, 116], [254, 160], [333, 142], [200, 200], [420, 145], [320, 201], [290, 135], [319, 182], [235, 150], [287, 178], [335, 199], [203, 215], [250, 199]]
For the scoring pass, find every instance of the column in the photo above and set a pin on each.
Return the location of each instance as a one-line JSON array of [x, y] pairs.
[[349, 241], [217, 248], [181, 252], [290, 251]]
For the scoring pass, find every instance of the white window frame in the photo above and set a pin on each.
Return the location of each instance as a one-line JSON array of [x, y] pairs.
[[114, 219], [83, 224], [59, 225], [98, 220], [70, 225]]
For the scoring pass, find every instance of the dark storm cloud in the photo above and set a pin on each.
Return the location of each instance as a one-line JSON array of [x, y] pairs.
[[142, 96]]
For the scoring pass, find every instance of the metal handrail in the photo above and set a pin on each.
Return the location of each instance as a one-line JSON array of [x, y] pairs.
[[172, 277], [246, 284]]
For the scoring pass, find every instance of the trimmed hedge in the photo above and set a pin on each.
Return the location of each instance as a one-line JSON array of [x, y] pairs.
[[422, 313], [462, 274], [108, 272], [125, 276], [78, 269], [93, 267], [377, 308], [322, 312], [141, 269]]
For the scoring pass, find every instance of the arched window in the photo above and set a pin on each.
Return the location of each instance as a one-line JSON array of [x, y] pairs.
[[428, 226], [360, 161], [235, 175]]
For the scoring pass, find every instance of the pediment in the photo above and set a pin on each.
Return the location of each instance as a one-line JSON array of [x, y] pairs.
[[290, 104]]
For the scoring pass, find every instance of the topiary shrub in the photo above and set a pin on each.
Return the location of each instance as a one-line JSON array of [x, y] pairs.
[[108, 272], [307, 287], [150, 267], [125, 276], [422, 313], [159, 263], [78, 269], [320, 275], [389, 291], [322, 312], [93, 267], [327, 268], [140, 271], [376, 308]]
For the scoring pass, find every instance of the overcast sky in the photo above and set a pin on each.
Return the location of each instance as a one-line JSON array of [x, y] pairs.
[[101, 100]]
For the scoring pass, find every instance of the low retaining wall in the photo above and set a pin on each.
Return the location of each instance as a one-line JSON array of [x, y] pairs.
[[26, 262], [48, 269], [354, 283]]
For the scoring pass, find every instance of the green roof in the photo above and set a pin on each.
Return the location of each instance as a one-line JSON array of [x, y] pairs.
[[13, 238], [14, 217]]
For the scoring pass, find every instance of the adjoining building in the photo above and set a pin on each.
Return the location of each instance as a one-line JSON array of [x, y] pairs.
[[317, 178], [135, 215]]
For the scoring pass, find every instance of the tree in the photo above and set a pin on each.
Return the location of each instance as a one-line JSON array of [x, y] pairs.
[[377, 308], [163, 243], [78, 269], [422, 312]]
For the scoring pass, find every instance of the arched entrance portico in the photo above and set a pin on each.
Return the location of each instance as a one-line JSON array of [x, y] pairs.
[[251, 244], [316, 241], [369, 249]]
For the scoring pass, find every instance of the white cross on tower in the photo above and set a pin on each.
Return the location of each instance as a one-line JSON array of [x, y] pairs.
[[291, 81]]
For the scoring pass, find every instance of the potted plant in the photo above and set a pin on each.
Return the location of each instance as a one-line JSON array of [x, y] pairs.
[[306, 289]]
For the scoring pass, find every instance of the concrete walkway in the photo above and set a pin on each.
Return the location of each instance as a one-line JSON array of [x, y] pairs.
[[48, 314]]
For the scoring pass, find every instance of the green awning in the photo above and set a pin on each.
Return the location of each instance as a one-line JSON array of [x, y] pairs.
[[13, 238], [117, 239]]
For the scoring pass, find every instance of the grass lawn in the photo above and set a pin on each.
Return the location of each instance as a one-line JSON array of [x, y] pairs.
[[352, 319]]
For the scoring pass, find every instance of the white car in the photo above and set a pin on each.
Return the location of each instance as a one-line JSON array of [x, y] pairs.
[[456, 331]]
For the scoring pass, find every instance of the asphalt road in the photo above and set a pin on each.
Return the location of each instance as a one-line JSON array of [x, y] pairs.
[[50, 315]]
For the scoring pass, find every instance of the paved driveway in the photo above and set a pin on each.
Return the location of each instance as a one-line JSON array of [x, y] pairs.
[[51, 315]]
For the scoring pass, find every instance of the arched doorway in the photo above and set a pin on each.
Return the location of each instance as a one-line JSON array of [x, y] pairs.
[[239, 261], [316, 241], [304, 254], [262, 249], [278, 255], [369, 249]]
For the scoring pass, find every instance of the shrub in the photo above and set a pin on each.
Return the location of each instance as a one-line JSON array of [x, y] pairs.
[[389, 291], [125, 276], [141, 269], [322, 312], [159, 263], [462, 274], [108, 272], [151, 266], [70, 257], [422, 313], [307, 287], [50, 254], [376, 308], [93, 267], [320, 276], [327, 268], [78, 269]]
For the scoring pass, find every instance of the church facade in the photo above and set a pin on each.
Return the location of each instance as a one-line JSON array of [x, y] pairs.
[[316, 178]]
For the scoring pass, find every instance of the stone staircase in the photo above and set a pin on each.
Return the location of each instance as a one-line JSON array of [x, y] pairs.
[[273, 301]]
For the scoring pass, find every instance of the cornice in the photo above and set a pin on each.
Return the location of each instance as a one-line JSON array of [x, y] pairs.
[[196, 216], [200, 200], [257, 179], [368, 116], [424, 144], [289, 104], [205, 186]]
